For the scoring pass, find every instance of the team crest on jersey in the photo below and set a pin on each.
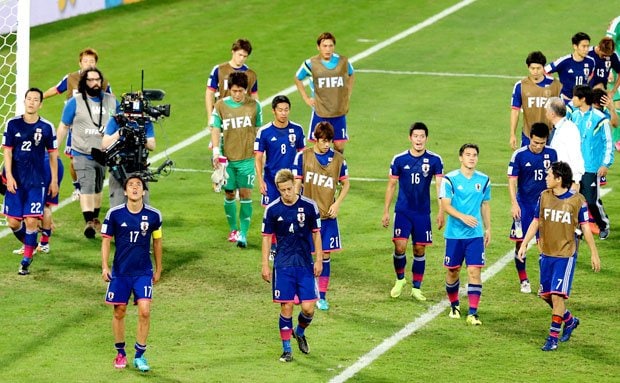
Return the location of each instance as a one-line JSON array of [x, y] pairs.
[[144, 226], [397, 232], [292, 138], [546, 164], [301, 216], [425, 169], [586, 70], [478, 187], [38, 136]]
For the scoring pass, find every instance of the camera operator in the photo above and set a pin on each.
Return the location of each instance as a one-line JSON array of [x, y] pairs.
[[86, 115], [138, 134]]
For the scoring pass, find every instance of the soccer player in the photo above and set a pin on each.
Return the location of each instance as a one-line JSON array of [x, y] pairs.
[[573, 69], [275, 148], [86, 116], [238, 117], [132, 225], [218, 84], [530, 95], [597, 151], [605, 59], [25, 142], [558, 213], [296, 223], [331, 84], [526, 180], [566, 139], [88, 58], [319, 170], [603, 102], [613, 31], [413, 171], [465, 195]]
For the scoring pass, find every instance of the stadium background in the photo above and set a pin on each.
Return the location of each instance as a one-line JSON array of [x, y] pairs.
[[212, 317]]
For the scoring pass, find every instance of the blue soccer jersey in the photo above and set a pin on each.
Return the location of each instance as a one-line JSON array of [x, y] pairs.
[[467, 196], [280, 146], [530, 169], [324, 160], [214, 78], [132, 236], [516, 101], [603, 67], [414, 176], [571, 72], [293, 227], [29, 144]]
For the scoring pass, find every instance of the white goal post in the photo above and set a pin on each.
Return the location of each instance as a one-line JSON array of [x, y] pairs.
[[14, 56]]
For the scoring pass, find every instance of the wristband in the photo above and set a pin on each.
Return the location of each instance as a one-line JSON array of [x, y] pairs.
[[216, 152]]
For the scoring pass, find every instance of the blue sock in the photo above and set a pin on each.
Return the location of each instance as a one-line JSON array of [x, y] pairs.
[[20, 233], [286, 328], [120, 348], [303, 321], [400, 262], [140, 349], [417, 270]]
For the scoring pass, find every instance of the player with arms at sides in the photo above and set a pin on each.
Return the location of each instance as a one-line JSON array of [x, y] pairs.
[[530, 95], [132, 225], [526, 180], [318, 171], [558, 213], [274, 148], [88, 58], [465, 195], [575, 68], [331, 84], [296, 223], [413, 171], [25, 142], [218, 84], [238, 117]]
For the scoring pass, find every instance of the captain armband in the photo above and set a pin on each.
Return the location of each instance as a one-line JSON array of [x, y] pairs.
[[157, 234]]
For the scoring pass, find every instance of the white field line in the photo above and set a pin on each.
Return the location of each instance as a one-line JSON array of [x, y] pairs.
[[437, 74], [432, 313]]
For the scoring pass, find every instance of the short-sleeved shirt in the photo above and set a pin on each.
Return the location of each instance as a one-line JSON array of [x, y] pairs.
[[132, 235], [571, 72], [280, 145], [414, 176], [603, 67], [530, 169], [238, 122], [293, 227], [218, 79], [29, 144], [467, 196]]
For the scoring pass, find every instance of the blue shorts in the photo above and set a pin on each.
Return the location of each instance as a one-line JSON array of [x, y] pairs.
[[290, 281], [339, 123], [418, 226], [272, 193], [471, 250], [527, 216], [556, 274], [120, 288], [330, 236], [26, 202]]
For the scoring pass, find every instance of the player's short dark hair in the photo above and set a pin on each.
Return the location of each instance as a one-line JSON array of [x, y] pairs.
[[562, 170], [89, 52], [325, 36], [324, 130], [536, 57], [539, 129], [468, 146], [135, 176], [35, 90], [584, 91], [279, 99], [284, 175], [597, 95], [418, 126], [238, 78], [557, 106], [579, 37], [240, 44], [84, 76]]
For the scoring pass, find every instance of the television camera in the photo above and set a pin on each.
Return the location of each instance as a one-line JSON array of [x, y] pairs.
[[129, 154]]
